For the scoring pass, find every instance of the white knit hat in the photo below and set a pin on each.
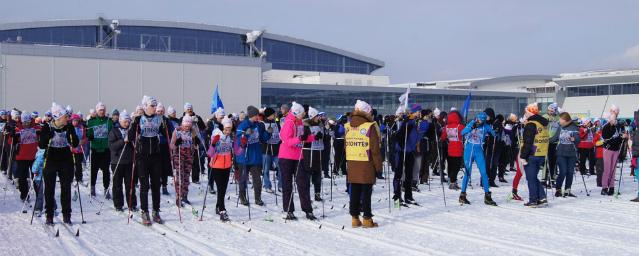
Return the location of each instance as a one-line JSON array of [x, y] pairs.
[[437, 112], [363, 106], [57, 111], [227, 122], [296, 108], [219, 113], [148, 101], [312, 112], [170, 110], [124, 115], [100, 106], [186, 120], [188, 106]]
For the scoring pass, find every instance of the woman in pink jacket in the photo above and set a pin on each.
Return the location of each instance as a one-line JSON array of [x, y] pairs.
[[293, 134]]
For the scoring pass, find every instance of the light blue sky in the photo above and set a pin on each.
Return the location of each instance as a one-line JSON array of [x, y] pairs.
[[418, 40]]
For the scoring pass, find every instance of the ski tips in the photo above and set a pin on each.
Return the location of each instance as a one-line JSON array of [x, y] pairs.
[[249, 230], [320, 226], [342, 227], [57, 232]]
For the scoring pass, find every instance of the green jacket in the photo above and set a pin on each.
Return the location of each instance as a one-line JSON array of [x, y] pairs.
[[553, 124], [98, 131]]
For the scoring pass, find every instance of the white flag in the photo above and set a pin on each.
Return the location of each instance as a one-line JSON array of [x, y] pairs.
[[403, 102]]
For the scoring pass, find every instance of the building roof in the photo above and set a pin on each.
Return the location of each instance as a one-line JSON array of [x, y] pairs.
[[189, 25]]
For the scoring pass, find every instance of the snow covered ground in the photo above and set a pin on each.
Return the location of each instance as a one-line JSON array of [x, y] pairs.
[[594, 225]]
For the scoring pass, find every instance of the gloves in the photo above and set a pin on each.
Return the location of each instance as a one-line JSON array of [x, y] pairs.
[[319, 136], [474, 126], [178, 141], [244, 141], [215, 139]]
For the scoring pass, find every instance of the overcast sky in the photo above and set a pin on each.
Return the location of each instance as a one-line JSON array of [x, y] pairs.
[[419, 40]]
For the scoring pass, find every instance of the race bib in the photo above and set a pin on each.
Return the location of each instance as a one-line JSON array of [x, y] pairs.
[[100, 131], [452, 134], [59, 140], [28, 136]]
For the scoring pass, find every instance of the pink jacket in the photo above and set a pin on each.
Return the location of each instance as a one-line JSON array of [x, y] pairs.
[[291, 147]]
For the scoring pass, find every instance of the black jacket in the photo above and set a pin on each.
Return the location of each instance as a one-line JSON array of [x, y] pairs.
[[58, 154], [611, 135], [117, 145]]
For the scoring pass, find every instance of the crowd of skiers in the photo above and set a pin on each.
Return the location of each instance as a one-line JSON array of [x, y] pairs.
[[292, 149]]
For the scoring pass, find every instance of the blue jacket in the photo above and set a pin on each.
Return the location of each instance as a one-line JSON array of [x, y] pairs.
[[411, 141], [252, 154], [476, 136]]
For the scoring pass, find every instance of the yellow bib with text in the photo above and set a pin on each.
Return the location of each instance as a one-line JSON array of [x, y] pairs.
[[357, 142]]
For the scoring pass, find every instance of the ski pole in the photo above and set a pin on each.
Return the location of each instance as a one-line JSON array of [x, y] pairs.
[[179, 183], [204, 203], [441, 171], [77, 185], [248, 198], [135, 142], [28, 193], [623, 146], [294, 184]]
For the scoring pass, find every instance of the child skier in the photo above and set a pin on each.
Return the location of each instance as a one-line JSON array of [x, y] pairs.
[[221, 154]]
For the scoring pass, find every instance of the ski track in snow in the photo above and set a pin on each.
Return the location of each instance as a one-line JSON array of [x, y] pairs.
[[569, 226]]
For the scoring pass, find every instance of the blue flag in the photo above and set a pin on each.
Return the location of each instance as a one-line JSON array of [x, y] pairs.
[[464, 111], [216, 102]]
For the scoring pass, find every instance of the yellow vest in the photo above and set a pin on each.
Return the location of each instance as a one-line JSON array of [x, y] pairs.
[[541, 139], [357, 142]]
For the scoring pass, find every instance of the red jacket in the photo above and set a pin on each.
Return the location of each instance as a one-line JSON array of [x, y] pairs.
[[28, 142], [587, 140], [452, 133], [599, 149]]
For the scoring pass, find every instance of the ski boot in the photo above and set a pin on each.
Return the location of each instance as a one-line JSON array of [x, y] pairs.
[[310, 216], [502, 180], [604, 191], [356, 223], [636, 200], [369, 223], [515, 196], [243, 200], [290, 216], [259, 202], [146, 221], [492, 184], [531, 204], [156, 218], [488, 200], [217, 210], [567, 193], [318, 197], [67, 219], [269, 190], [107, 195], [462, 199], [611, 191], [92, 191], [119, 209], [558, 193], [185, 201], [49, 220], [542, 203], [224, 217], [165, 191]]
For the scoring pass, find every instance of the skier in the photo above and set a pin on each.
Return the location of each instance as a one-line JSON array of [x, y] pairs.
[[599, 165], [57, 138], [221, 161], [78, 152], [613, 135], [38, 189], [586, 147], [184, 142], [533, 154], [293, 134], [567, 138], [635, 154], [452, 134], [167, 167], [406, 143], [198, 125], [475, 133], [250, 135], [427, 149], [512, 128], [364, 162], [122, 164], [115, 118], [26, 136], [97, 132], [271, 150], [145, 131], [552, 115], [212, 125], [312, 151]]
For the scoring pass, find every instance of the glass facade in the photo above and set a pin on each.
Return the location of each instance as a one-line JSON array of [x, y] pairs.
[[282, 55], [335, 102], [600, 90]]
